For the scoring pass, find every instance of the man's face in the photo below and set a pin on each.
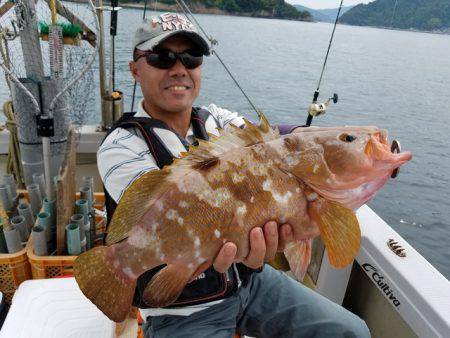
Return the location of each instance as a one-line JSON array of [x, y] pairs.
[[170, 90]]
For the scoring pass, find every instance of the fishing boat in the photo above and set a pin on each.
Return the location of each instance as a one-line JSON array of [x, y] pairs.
[[390, 285]]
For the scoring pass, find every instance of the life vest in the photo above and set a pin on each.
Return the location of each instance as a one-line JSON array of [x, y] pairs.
[[210, 285]]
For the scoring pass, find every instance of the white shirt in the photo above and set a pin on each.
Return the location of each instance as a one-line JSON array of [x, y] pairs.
[[124, 157]]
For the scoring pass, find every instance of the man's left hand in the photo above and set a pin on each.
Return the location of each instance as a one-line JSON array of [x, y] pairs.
[[264, 243]]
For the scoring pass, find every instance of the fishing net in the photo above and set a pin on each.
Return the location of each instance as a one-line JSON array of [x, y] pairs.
[[47, 50], [27, 57]]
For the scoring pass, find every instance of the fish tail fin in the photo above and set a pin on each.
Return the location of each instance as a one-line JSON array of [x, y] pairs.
[[298, 254], [110, 292]]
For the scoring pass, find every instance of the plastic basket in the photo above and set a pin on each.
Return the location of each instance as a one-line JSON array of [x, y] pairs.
[[14, 269], [56, 266]]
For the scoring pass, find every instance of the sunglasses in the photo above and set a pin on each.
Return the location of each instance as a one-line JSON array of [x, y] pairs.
[[165, 59]]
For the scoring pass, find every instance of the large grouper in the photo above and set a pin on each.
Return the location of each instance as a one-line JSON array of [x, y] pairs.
[[312, 179]]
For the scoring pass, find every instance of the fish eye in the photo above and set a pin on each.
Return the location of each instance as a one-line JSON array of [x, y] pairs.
[[347, 138]]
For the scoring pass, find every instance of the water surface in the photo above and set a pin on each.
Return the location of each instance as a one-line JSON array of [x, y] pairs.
[[393, 79]]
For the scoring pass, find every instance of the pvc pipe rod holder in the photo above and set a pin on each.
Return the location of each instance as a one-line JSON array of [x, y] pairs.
[[40, 247]]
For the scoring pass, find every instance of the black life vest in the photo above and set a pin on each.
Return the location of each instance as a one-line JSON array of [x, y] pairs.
[[211, 285]]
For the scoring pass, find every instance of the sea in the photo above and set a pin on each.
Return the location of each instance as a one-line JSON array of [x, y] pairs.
[[397, 80]]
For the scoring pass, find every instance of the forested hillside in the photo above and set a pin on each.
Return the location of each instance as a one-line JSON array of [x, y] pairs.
[[407, 14], [260, 8]]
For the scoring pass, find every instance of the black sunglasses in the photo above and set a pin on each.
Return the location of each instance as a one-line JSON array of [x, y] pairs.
[[165, 59]]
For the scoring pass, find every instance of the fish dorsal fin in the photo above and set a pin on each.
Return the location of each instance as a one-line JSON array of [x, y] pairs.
[[232, 138], [148, 187], [133, 205]]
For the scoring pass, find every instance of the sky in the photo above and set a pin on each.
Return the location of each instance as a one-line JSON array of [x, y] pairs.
[[322, 4]]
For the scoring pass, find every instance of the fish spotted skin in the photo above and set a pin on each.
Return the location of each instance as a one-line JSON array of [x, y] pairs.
[[183, 214], [211, 207]]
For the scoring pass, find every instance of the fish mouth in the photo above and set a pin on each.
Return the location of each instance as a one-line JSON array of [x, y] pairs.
[[392, 162]]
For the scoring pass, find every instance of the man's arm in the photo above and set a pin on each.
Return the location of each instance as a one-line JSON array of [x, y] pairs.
[[123, 158]]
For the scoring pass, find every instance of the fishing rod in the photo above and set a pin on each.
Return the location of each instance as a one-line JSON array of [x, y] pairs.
[[316, 109], [113, 33], [135, 83], [187, 12]]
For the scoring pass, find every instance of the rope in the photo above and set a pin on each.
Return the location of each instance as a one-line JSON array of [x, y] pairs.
[[4, 50], [13, 162]]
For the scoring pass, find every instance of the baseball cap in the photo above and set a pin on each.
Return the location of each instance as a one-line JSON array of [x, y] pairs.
[[154, 31]]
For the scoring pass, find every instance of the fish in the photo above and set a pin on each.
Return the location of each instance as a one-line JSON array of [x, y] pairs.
[[241, 178]]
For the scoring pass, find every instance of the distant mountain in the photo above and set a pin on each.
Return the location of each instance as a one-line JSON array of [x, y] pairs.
[[404, 14], [332, 12], [323, 15], [257, 8]]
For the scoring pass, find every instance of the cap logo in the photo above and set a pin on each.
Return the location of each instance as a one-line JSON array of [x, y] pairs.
[[172, 21]]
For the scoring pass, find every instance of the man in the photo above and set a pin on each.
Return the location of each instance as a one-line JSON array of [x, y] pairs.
[[230, 296]]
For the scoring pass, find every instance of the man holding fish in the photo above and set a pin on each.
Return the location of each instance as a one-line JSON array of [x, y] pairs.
[[187, 244]]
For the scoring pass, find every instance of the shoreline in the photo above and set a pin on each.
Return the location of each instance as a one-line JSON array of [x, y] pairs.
[[157, 6], [216, 11], [412, 30]]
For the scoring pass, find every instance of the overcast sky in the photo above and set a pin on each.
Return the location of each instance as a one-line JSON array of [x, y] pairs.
[[321, 4]]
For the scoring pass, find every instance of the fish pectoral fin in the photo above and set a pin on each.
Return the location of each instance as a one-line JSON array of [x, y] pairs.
[[298, 254], [130, 210], [111, 293], [165, 287], [339, 229]]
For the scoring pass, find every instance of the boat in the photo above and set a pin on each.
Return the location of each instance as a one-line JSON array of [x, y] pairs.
[[390, 285]]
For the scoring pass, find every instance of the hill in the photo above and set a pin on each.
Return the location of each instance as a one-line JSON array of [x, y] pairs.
[[427, 15], [258, 8], [323, 15]]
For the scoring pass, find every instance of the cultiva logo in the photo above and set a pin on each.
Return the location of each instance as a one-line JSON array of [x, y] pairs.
[[382, 284]]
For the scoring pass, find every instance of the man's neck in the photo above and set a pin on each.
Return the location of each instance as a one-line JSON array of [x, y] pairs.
[[178, 121]]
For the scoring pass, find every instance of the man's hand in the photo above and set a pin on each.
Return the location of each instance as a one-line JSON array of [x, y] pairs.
[[264, 243]]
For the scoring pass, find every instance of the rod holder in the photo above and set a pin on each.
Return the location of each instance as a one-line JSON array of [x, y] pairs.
[[82, 207], [24, 210], [39, 241], [113, 104], [44, 221], [8, 179], [35, 197], [5, 197], [79, 219], [88, 181], [3, 246], [39, 179], [50, 208], [73, 239], [86, 194], [19, 223], [12, 238]]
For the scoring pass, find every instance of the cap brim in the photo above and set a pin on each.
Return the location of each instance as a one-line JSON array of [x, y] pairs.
[[193, 36]]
